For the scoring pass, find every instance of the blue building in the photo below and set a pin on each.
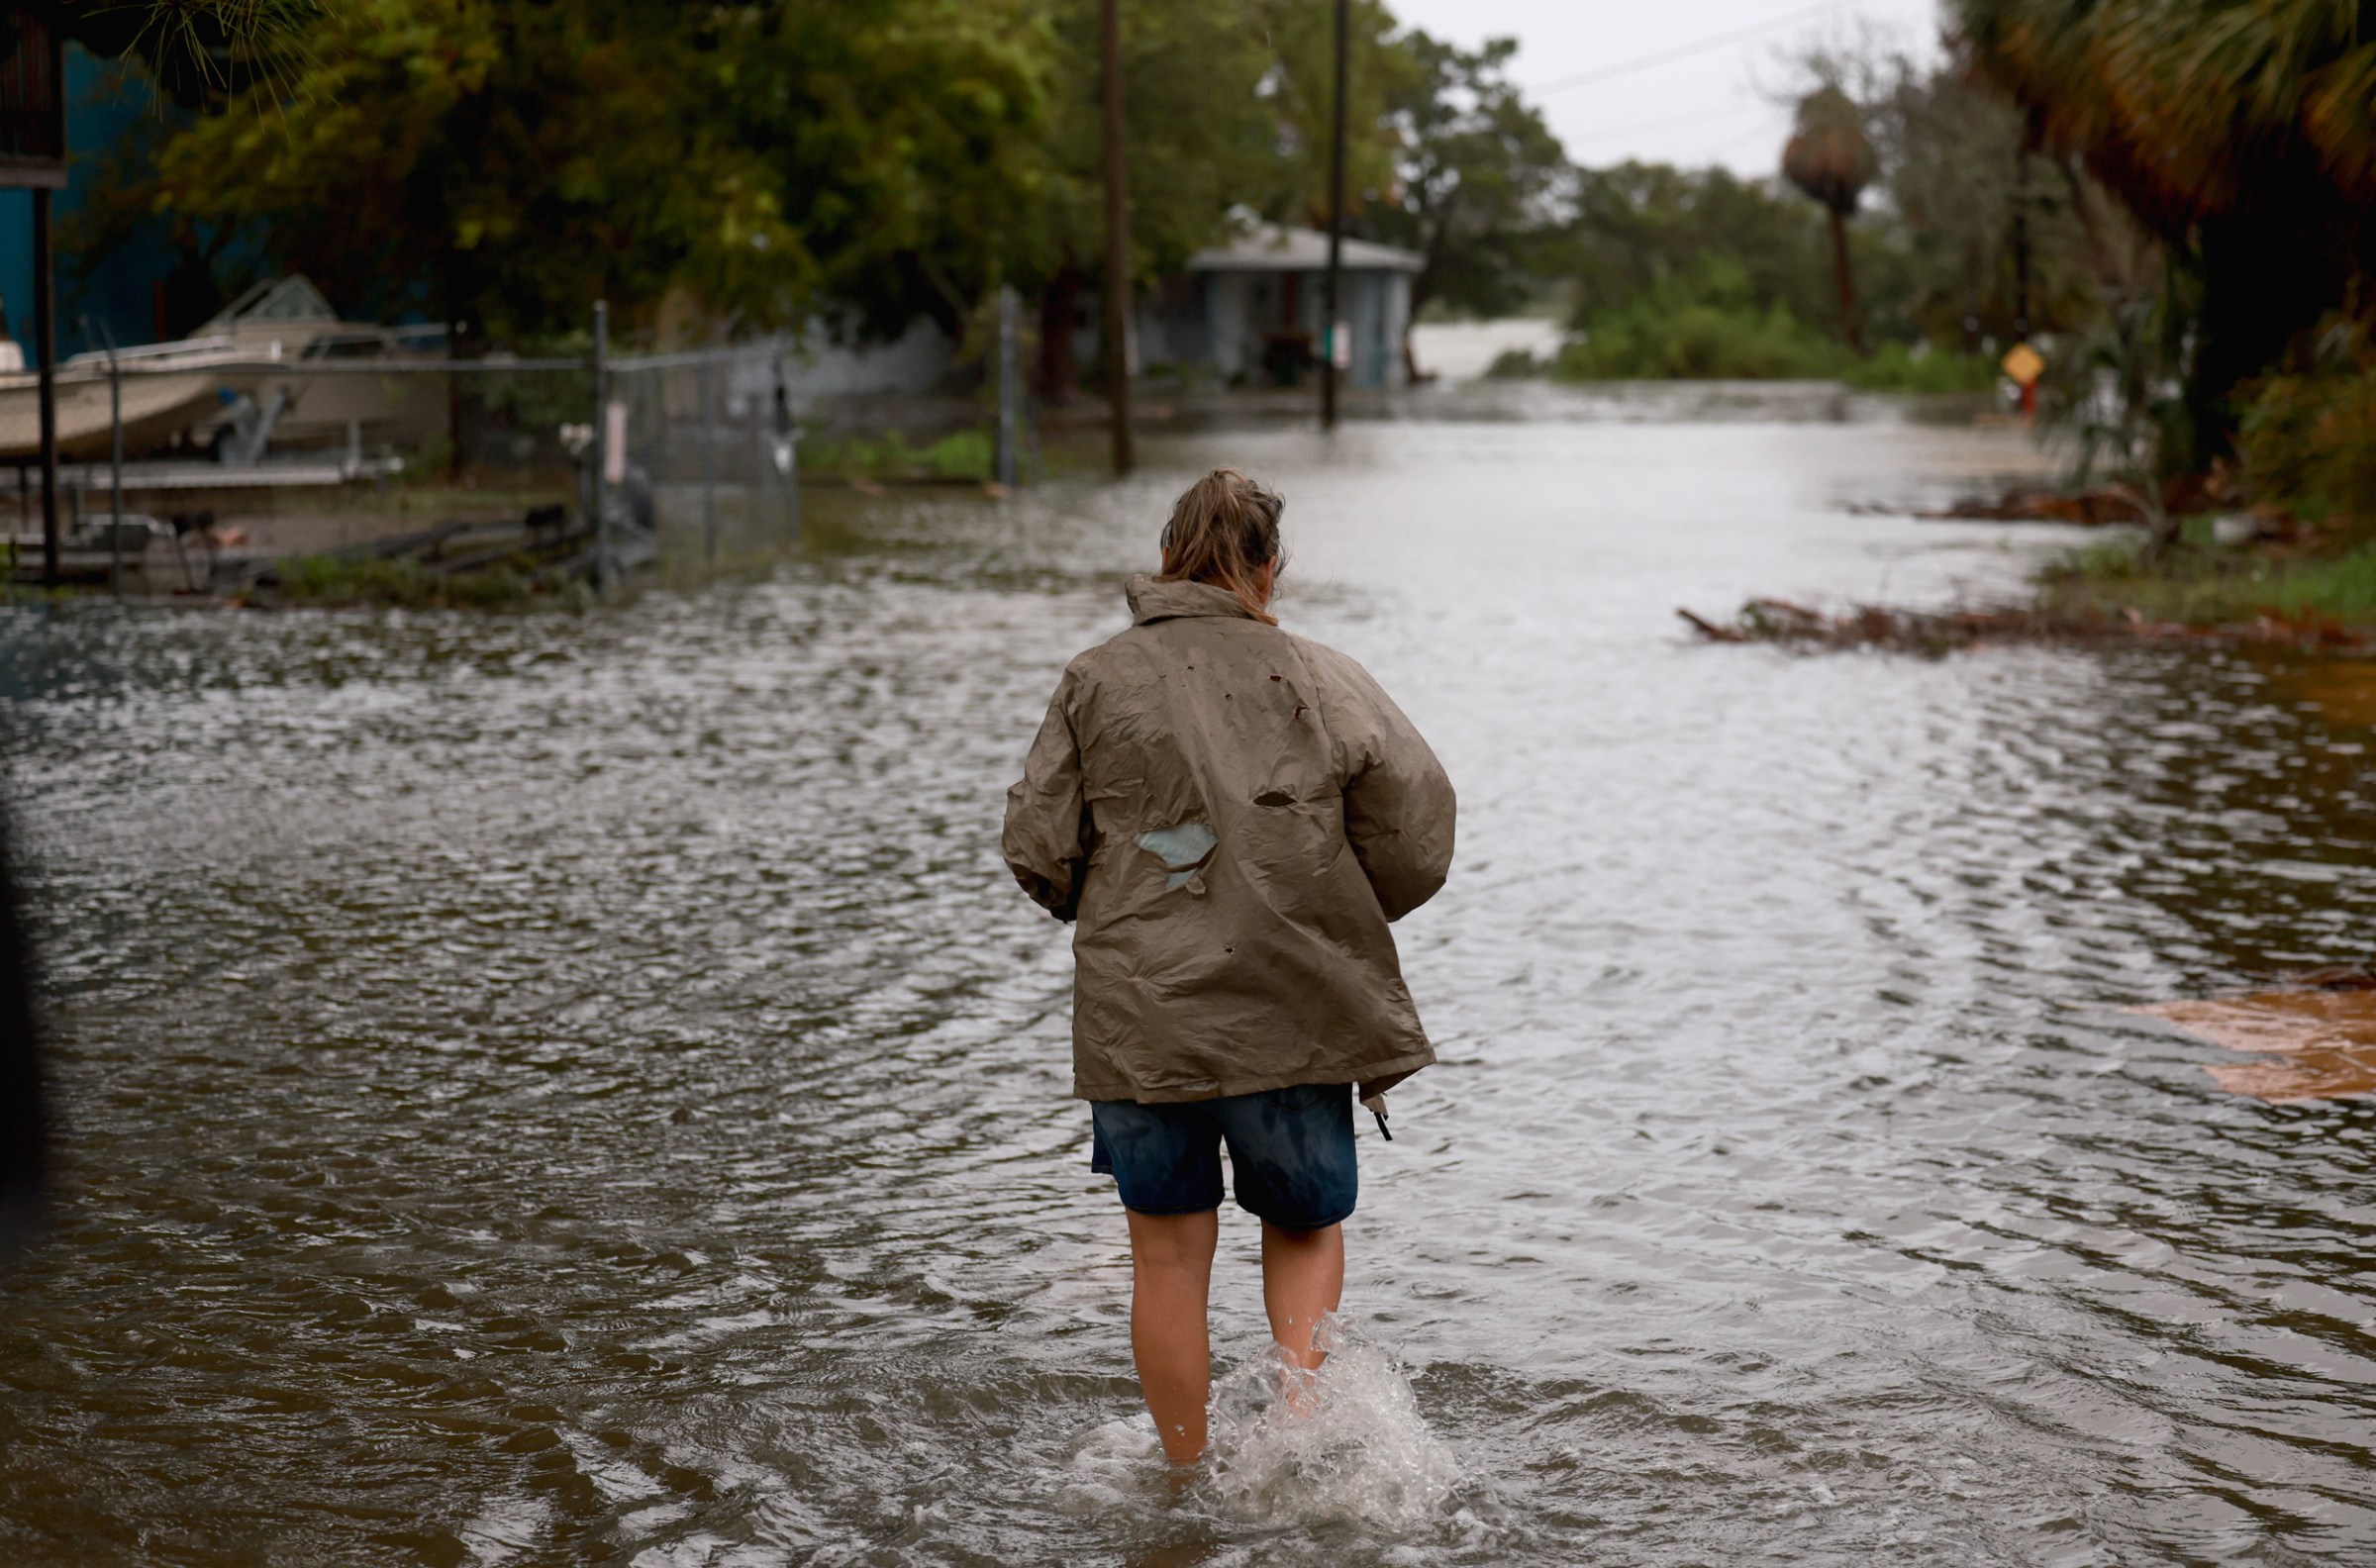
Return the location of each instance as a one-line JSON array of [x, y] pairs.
[[109, 110]]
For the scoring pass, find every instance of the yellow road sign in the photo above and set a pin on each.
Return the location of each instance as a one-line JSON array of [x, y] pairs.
[[2025, 365]]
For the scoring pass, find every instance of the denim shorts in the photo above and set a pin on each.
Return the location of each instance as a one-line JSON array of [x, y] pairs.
[[1291, 1153]]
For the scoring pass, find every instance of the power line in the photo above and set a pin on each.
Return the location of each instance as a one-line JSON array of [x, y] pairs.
[[1686, 51]]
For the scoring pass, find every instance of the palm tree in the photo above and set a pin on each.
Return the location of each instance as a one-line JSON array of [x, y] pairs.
[[2243, 136], [1829, 157]]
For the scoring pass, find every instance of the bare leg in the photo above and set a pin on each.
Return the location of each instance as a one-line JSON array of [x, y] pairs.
[[1171, 1270], [1303, 1280]]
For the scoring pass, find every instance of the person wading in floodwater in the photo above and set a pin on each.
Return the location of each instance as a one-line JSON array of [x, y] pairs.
[[1230, 815]]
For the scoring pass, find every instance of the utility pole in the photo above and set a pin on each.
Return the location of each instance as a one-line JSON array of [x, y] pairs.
[[1118, 241], [45, 349], [1331, 295]]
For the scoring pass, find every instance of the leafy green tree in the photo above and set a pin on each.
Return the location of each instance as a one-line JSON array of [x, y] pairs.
[[1639, 226], [906, 144], [504, 164], [1962, 192], [2242, 136], [1199, 138], [1480, 179], [1956, 172], [1227, 106]]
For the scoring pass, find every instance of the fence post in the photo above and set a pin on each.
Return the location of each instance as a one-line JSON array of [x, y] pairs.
[[709, 456], [783, 455], [599, 449], [1009, 388], [792, 479], [754, 499]]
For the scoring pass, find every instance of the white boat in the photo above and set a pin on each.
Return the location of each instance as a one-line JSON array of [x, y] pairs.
[[286, 320], [166, 388], [219, 389]]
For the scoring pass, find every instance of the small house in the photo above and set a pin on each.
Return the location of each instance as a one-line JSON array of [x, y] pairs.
[[1252, 310]]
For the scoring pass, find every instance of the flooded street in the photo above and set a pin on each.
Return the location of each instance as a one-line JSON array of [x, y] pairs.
[[551, 1090]]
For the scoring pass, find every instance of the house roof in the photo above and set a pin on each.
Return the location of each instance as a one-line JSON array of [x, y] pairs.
[[1276, 248]]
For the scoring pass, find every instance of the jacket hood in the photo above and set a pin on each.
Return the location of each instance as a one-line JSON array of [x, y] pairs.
[[1153, 599]]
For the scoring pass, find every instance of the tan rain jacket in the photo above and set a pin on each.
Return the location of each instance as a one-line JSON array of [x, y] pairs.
[[1232, 813]]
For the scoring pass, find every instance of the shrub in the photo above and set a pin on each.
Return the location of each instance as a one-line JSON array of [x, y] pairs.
[[2307, 439], [1894, 368], [1697, 342], [1704, 326]]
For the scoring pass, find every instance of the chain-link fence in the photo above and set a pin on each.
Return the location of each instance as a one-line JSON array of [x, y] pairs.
[[373, 450], [707, 453]]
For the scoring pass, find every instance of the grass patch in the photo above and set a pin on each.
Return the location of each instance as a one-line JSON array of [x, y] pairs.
[[2200, 583], [402, 582], [965, 455]]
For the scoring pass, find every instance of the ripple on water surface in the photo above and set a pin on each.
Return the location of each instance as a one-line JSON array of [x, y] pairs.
[[546, 1089]]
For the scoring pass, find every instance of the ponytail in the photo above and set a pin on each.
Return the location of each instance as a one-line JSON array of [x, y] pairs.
[[1224, 529]]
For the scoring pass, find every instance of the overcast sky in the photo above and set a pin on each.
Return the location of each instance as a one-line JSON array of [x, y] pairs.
[[1704, 107]]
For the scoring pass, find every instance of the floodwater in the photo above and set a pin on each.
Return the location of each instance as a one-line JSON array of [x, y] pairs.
[[557, 1090]]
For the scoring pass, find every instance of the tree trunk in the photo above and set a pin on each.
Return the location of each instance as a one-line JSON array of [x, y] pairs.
[[1971, 297], [1060, 318], [1420, 295], [1849, 327]]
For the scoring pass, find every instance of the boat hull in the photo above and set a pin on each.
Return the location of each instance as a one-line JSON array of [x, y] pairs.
[[157, 405]]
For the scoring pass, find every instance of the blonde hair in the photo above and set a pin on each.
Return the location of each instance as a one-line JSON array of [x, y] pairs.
[[1224, 529]]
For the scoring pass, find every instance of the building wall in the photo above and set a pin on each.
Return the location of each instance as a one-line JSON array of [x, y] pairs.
[[1222, 322], [915, 362], [106, 103], [1378, 340]]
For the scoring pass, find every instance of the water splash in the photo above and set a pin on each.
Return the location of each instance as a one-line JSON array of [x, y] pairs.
[[1345, 1444], [1119, 1466]]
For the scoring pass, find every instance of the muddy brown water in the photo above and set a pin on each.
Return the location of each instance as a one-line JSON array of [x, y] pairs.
[[553, 1090]]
